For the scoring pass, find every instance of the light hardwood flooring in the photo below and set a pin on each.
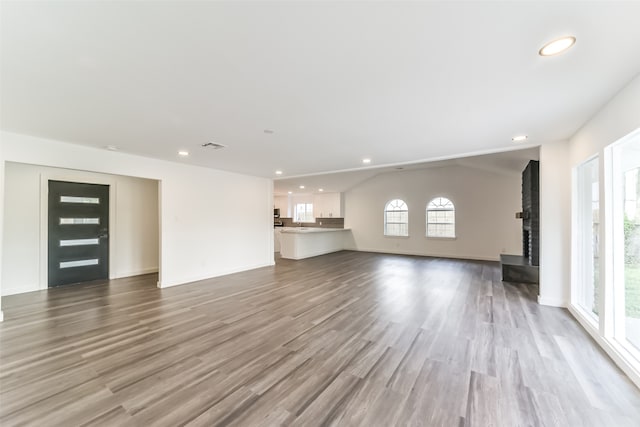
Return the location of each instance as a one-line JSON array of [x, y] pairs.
[[352, 339]]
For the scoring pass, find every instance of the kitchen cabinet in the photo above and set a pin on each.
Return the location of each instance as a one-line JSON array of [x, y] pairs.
[[327, 205], [305, 242], [276, 240], [282, 203]]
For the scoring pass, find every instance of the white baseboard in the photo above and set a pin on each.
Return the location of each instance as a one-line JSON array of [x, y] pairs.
[[15, 291], [614, 350], [551, 302]]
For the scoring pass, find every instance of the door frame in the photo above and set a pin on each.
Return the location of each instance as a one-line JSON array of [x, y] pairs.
[[81, 177]]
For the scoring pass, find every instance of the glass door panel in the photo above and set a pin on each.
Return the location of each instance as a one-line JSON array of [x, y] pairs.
[[626, 226], [587, 237]]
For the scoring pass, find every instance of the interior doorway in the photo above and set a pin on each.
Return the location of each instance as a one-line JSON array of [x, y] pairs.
[[78, 230], [132, 227]]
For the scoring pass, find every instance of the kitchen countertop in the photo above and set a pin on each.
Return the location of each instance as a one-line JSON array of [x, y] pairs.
[[306, 230]]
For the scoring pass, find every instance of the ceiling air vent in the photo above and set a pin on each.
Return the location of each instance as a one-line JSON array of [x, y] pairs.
[[213, 145]]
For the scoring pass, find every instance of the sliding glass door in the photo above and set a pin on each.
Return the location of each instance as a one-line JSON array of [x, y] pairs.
[[625, 169], [605, 291]]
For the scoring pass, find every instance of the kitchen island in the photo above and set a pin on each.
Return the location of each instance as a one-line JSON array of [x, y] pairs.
[[306, 242]]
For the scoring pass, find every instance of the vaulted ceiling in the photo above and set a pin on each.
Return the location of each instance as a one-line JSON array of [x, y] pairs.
[[310, 87], [510, 163]]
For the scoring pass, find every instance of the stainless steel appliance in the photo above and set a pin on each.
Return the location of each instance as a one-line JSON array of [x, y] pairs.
[[276, 218]]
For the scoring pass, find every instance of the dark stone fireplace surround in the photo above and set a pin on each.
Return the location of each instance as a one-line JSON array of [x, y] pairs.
[[524, 269], [531, 209]]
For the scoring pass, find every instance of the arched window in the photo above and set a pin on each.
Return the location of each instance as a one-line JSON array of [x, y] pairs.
[[396, 218], [441, 218]]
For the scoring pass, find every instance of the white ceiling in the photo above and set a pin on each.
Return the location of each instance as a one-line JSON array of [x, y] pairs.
[[507, 162], [337, 81]]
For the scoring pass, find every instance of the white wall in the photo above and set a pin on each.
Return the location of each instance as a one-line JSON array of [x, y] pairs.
[[212, 222], [555, 224], [1, 219], [137, 227], [133, 234], [485, 202], [616, 119]]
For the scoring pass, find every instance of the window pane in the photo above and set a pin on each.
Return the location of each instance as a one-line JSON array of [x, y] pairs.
[[73, 199], [303, 212], [79, 263], [626, 274], [632, 256], [396, 218], [79, 221], [79, 242], [587, 209], [440, 230], [441, 218], [397, 230]]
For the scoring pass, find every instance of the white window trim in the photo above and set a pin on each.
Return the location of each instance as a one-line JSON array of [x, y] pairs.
[[576, 267], [426, 222], [384, 219]]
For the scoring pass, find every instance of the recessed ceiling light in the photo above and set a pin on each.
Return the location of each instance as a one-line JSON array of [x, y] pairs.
[[302, 187], [278, 172], [320, 189], [557, 46], [183, 153], [519, 138], [111, 147], [366, 161], [290, 192]]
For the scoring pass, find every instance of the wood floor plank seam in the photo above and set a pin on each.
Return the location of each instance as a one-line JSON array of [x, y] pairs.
[[328, 382], [349, 394], [404, 357], [37, 402], [291, 373], [344, 339], [229, 392]]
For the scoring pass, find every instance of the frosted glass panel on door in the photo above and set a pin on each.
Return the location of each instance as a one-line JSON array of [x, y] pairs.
[[71, 221], [78, 263], [74, 199], [79, 242]]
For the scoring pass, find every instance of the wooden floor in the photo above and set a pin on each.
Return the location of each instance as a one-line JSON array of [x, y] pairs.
[[343, 339]]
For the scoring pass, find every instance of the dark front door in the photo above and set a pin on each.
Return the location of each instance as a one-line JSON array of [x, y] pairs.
[[78, 232]]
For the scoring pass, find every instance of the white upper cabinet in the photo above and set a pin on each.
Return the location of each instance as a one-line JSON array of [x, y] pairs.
[[282, 203], [327, 205]]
